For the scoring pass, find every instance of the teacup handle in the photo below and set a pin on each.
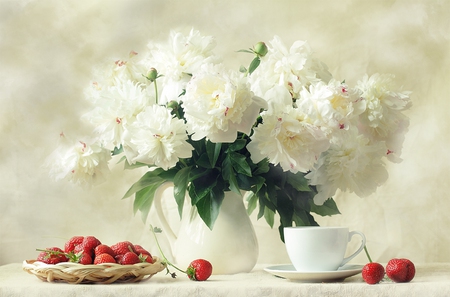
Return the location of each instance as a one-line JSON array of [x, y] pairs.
[[363, 243]]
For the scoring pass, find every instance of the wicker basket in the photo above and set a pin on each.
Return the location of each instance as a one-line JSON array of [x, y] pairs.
[[74, 273]]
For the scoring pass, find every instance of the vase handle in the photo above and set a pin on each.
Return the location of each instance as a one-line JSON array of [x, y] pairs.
[[159, 211]]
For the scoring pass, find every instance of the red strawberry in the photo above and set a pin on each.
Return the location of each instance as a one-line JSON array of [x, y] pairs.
[[72, 243], [84, 259], [104, 258], [140, 250], [400, 270], [90, 243], [123, 247], [373, 273], [146, 258], [411, 270], [52, 255], [87, 246], [199, 270], [129, 259], [103, 249]]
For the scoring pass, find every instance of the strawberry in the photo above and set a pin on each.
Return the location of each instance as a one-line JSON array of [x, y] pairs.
[[104, 258], [140, 250], [144, 255], [146, 258], [90, 243], [87, 246], [129, 259], [199, 270], [411, 270], [123, 247], [70, 245], [400, 270], [373, 273], [103, 249], [52, 255], [84, 259]]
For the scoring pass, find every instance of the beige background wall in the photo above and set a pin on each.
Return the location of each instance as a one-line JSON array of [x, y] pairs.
[[48, 48]]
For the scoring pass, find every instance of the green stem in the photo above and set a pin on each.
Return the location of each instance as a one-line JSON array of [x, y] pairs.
[[367, 254], [162, 254], [156, 91]]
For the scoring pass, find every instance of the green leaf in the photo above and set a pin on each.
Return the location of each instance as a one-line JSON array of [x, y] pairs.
[[239, 163], [202, 186], [298, 181], [245, 51], [180, 182], [117, 150], [261, 199], [285, 208], [213, 151], [144, 200], [148, 179], [328, 208], [300, 218], [234, 185], [254, 64], [252, 200], [237, 145], [229, 175], [209, 207], [203, 161], [263, 167], [242, 69], [269, 215], [197, 173]]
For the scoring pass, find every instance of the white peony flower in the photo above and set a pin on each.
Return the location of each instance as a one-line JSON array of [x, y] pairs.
[[80, 162], [157, 138], [285, 138], [119, 71], [115, 108], [292, 68], [177, 60], [218, 105], [331, 106], [383, 119], [352, 163]]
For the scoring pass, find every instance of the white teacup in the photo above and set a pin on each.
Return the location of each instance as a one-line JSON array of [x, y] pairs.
[[315, 248]]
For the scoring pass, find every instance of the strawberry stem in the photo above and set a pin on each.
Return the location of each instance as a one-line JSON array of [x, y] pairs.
[[367, 254], [162, 254]]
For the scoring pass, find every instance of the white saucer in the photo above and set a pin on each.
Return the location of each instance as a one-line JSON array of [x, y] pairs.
[[289, 272]]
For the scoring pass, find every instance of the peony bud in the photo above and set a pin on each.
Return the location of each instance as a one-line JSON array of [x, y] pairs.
[[173, 104], [152, 74], [261, 49]]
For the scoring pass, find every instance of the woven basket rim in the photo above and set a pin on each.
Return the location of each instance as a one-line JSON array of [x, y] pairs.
[[107, 273]]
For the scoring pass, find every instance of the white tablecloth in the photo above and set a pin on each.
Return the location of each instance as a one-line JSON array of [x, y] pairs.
[[431, 280]]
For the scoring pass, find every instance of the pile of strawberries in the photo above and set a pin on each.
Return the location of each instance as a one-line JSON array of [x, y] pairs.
[[89, 250], [398, 270]]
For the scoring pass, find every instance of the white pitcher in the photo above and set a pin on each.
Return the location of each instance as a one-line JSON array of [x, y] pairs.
[[231, 246]]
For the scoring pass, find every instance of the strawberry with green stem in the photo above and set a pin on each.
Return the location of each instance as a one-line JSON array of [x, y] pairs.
[[57, 255], [198, 270], [53, 255], [372, 272]]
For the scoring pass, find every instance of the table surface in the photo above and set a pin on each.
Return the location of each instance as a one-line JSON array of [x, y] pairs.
[[431, 279]]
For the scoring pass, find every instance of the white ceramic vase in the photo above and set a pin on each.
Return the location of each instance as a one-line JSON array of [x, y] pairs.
[[231, 246]]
